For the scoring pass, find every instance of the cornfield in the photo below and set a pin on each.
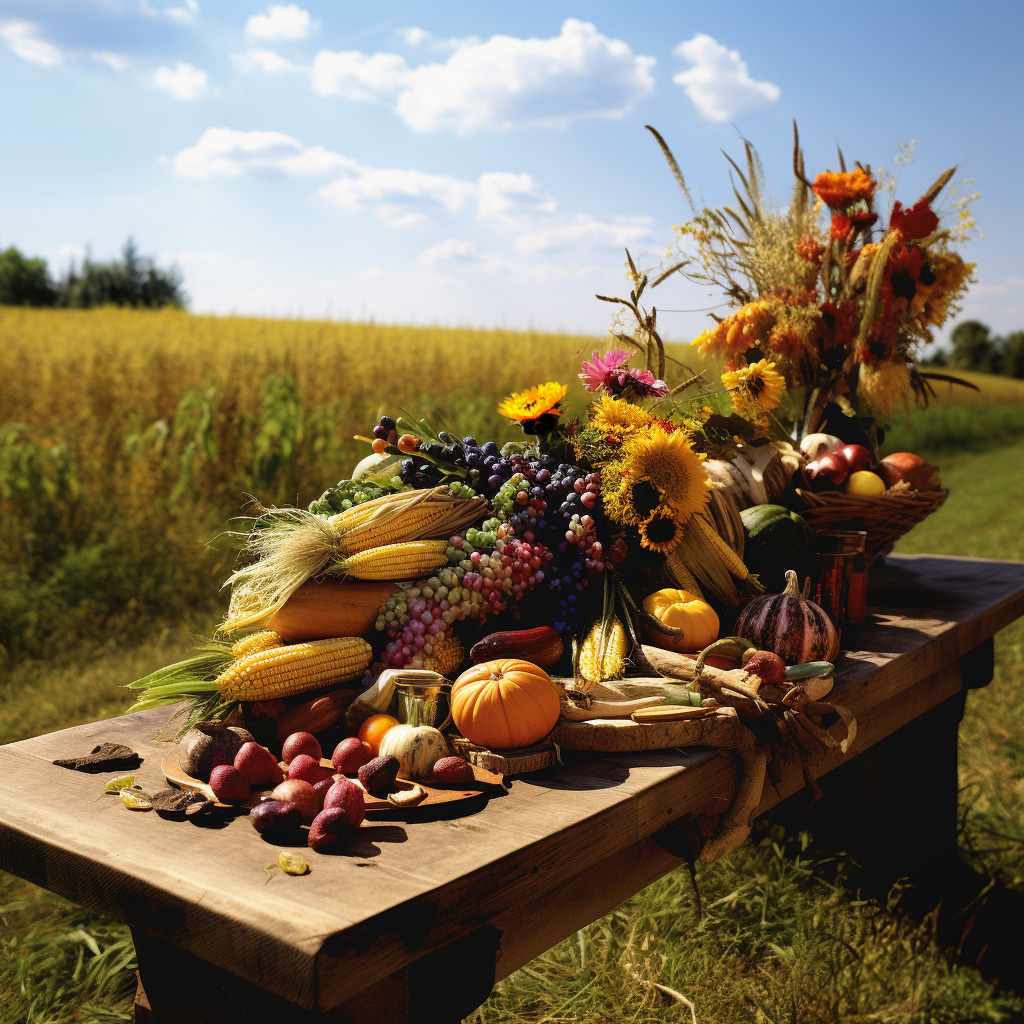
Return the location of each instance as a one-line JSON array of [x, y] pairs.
[[129, 438]]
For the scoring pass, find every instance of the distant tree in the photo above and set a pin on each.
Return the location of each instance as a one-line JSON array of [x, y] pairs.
[[1012, 354], [133, 280], [940, 357], [25, 281], [974, 348]]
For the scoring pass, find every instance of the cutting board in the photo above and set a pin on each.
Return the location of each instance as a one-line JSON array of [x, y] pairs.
[[609, 735]]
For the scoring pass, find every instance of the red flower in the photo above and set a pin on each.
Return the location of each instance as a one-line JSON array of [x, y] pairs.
[[809, 249], [841, 225], [919, 221]]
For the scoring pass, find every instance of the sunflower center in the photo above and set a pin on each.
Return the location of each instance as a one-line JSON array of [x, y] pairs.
[[645, 497], [755, 385], [661, 529]]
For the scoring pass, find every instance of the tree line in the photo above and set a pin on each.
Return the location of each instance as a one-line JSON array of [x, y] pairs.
[[132, 280], [974, 347]]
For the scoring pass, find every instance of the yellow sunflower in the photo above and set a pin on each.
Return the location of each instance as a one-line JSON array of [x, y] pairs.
[[534, 402], [614, 416], [756, 389], [663, 465], [625, 501]]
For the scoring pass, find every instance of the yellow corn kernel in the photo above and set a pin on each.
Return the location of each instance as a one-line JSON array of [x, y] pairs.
[[448, 655], [679, 573], [729, 558], [603, 652], [406, 561], [264, 640], [406, 525], [294, 668]]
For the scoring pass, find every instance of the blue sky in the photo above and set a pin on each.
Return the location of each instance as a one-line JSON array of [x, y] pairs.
[[468, 163]]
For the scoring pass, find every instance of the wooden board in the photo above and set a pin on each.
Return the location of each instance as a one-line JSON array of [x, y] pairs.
[[322, 939], [437, 793], [617, 735]]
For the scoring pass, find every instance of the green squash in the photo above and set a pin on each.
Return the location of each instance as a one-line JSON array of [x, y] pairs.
[[777, 539]]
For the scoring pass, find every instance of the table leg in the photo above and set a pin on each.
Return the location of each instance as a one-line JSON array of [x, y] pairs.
[[442, 987]]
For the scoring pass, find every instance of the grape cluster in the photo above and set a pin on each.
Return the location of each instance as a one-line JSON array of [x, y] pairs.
[[483, 582], [347, 493]]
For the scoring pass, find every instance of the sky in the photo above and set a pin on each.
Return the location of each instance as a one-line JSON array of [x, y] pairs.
[[479, 164]]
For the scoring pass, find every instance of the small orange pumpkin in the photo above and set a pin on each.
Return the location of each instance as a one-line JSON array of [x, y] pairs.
[[505, 703]]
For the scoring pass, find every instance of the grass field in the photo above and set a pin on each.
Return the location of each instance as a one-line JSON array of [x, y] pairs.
[[782, 940]]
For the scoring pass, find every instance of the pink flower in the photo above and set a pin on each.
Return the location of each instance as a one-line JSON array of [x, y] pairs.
[[635, 384], [595, 373]]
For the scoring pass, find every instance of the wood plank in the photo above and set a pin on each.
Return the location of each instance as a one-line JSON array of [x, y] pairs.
[[356, 919]]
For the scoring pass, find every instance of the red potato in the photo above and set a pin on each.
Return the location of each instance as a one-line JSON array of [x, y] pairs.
[[329, 831], [229, 785], [349, 797], [300, 743], [351, 754], [308, 769], [258, 765], [276, 819]]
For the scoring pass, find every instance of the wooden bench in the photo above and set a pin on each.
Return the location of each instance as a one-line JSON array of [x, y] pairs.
[[421, 919]]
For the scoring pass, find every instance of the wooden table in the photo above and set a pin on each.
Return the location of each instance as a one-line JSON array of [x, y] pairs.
[[421, 919]]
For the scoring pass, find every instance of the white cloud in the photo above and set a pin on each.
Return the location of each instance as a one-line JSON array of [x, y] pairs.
[[501, 83], [451, 250], [114, 61], [585, 230], [282, 21], [512, 200], [358, 76], [226, 153], [183, 81], [719, 84], [401, 197], [23, 41], [183, 15], [267, 61], [413, 36]]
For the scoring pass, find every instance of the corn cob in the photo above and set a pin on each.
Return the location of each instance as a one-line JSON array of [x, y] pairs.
[[406, 561], [678, 572], [264, 640], [729, 558], [293, 545], [411, 515], [603, 652], [295, 668], [448, 655]]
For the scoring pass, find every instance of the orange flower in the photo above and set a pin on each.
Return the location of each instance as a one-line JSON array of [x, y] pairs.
[[836, 189], [809, 249]]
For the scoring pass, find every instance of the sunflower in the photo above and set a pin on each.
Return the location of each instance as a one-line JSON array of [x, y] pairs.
[[660, 533], [535, 402], [663, 464], [614, 416], [625, 501], [756, 389]]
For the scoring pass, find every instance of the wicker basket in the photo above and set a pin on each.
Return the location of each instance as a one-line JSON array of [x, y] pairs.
[[884, 519]]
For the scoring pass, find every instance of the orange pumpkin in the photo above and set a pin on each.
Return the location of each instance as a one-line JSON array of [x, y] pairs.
[[505, 703], [679, 608]]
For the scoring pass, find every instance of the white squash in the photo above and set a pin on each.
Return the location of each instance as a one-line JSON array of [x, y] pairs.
[[816, 445], [417, 747]]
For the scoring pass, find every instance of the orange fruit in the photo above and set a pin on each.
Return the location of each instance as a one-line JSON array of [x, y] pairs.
[[372, 731]]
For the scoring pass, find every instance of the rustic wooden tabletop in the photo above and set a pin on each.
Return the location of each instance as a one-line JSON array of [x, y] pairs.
[[515, 874]]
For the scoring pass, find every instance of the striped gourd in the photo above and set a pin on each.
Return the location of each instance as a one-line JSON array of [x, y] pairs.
[[295, 668], [406, 561], [603, 651], [264, 640], [789, 625]]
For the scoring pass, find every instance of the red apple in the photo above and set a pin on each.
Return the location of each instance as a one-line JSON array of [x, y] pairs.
[[857, 457]]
